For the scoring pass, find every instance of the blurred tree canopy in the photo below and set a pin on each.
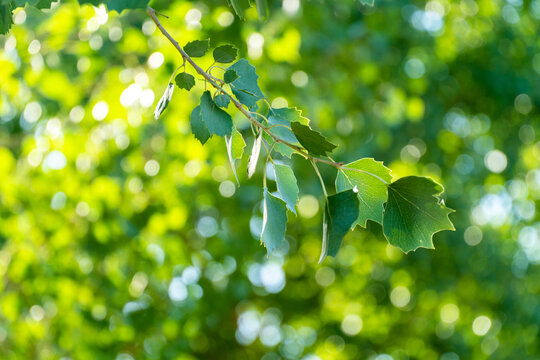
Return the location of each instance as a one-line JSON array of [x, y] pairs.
[[121, 237]]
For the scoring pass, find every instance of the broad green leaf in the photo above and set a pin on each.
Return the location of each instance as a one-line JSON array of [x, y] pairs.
[[340, 212], [287, 185], [197, 48], [254, 157], [92, 2], [313, 141], [274, 221], [120, 5], [240, 7], [222, 101], [39, 4], [414, 213], [262, 8], [229, 76], [164, 101], [370, 177], [235, 149], [185, 81], [225, 54], [245, 88], [117, 5], [6, 19], [217, 121], [198, 127], [238, 144], [367, 2], [280, 119]]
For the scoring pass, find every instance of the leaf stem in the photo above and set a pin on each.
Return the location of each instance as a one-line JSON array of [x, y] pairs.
[[320, 178], [261, 115], [216, 67], [269, 152], [279, 125]]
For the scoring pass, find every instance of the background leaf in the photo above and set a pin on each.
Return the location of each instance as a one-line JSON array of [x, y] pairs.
[[370, 178], [414, 213], [340, 212]]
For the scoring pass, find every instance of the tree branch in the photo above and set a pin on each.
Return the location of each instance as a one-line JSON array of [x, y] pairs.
[[217, 83]]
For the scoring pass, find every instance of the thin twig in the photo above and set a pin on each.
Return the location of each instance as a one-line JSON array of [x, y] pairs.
[[162, 14], [320, 179]]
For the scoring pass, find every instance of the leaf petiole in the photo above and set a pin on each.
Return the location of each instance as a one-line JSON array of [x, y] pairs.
[[320, 178]]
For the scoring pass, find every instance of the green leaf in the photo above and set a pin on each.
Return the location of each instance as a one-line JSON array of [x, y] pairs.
[[197, 48], [245, 88], [229, 76], [120, 5], [46, 4], [238, 144], [313, 141], [254, 157], [240, 7], [367, 2], [287, 185], [222, 101], [92, 2], [280, 119], [39, 4], [164, 101], [370, 177], [117, 5], [217, 121], [235, 149], [185, 81], [274, 221], [198, 127], [414, 213], [225, 54], [262, 8], [340, 212], [6, 19]]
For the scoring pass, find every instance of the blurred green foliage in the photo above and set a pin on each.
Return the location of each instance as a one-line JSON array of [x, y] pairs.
[[123, 238]]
